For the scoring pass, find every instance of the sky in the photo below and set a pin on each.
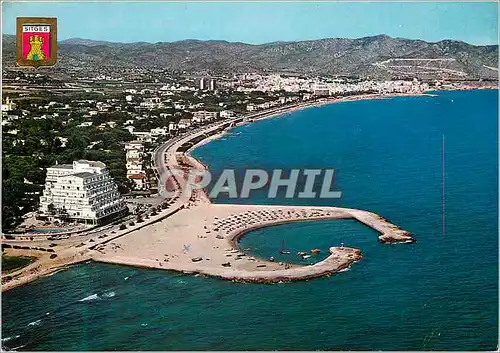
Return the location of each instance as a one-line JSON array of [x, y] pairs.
[[257, 23]]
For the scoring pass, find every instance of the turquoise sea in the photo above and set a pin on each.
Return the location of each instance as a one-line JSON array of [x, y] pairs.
[[440, 293]]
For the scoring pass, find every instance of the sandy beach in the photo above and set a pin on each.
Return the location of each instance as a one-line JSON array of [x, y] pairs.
[[208, 244], [203, 238]]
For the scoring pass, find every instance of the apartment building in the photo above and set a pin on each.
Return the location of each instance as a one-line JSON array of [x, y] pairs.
[[83, 192], [134, 158]]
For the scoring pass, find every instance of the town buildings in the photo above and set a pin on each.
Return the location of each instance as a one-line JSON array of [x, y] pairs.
[[8, 106], [226, 114], [143, 136], [83, 192], [204, 116], [134, 163], [160, 131], [321, 90], [208, 84], [184, 123]]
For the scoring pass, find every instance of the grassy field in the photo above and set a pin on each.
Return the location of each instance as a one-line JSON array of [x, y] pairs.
[[10, 263]]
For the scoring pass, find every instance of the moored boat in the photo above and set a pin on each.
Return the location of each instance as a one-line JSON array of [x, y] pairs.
[[283, 250]]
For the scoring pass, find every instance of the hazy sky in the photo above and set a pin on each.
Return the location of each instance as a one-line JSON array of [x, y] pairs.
[[475, 23]]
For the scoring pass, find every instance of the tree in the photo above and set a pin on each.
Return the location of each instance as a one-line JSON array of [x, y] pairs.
[[16, 201], [36, 176], [63, 213]]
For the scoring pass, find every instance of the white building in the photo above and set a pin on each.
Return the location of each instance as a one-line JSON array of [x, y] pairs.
[[184, 123], [251, 107], [208, 84], [203, 115], [83, 192], [172, 127], [151, 103], [8, 106], [212, 85], [321, 89], [134, 156], [62, 140], [160, 131], [226, 114], [143, 136], [203, 83]]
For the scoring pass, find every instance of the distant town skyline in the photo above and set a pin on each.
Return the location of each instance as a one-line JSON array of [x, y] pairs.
[[259, 22]]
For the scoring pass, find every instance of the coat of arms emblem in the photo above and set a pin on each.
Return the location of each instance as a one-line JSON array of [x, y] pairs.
[[36, 41]]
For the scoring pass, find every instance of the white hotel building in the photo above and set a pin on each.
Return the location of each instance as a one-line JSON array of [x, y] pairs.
[[83, 192]]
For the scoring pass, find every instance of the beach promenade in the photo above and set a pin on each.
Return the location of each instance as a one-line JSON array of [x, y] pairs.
[[194, 235]]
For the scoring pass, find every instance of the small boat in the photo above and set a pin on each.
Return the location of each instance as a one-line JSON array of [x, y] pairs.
[[315, 251], [306, 256], [301, 253], [282, 249]]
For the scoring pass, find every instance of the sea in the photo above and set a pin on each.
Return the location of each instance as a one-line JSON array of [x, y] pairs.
[[440, 293]]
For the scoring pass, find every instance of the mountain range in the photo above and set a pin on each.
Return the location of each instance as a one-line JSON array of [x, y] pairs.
[[378, 56]]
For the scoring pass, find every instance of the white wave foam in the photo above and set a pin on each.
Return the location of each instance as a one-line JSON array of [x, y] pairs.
[[14, 349], [53, 273], [345, 269], [35, 323], [90, 297], [109, 294], [6, 339]]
